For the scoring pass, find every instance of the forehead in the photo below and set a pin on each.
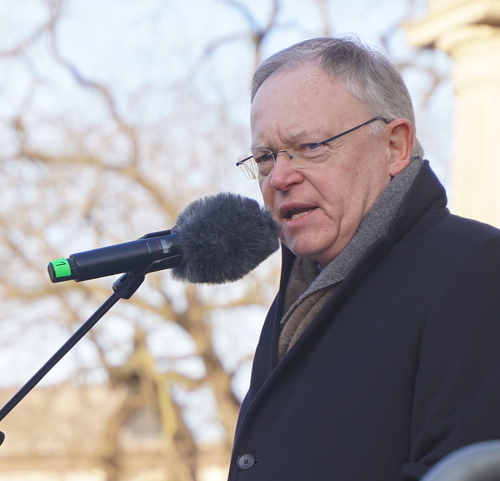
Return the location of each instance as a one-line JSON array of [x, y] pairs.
[[301, 102]]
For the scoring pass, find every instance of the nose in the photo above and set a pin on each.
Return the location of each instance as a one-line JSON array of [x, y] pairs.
[[284, 173]]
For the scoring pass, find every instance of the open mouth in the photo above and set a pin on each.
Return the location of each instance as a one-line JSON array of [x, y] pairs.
[[293, 214]]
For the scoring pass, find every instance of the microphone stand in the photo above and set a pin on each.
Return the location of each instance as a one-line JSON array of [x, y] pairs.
[[123, 288]]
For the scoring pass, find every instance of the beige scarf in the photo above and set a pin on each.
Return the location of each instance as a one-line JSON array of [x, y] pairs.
[[300, 314]]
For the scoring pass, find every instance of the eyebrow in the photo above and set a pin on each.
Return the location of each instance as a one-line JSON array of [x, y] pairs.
[[290, 138]]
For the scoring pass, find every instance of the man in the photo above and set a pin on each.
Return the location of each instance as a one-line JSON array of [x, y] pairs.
[[381, 352]]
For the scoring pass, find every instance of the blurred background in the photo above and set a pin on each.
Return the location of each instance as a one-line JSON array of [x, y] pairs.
[[114, 116]]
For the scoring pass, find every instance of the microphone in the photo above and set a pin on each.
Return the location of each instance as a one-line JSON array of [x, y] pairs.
[[215, 240]]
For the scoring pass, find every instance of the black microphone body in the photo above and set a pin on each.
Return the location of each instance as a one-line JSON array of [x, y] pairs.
[[127, 257], [215, 240]]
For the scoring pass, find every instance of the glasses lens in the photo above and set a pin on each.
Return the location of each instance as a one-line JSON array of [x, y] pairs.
[[264, 160], [248, 166], [308, 152], [301, 154]]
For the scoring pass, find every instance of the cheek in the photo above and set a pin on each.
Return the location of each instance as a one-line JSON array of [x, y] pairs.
[[331, 188], [262, 185], [267, 192]]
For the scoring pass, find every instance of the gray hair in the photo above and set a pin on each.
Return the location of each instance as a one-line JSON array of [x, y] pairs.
[[365, 72]]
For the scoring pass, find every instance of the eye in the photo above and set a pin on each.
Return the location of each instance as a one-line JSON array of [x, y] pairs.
[[310, 150], [311, 146], [262, 156]]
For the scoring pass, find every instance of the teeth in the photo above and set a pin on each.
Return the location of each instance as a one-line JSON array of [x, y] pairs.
[[299, 214]]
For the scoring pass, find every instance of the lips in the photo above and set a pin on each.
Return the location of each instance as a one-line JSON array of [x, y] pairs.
[[294, 212]]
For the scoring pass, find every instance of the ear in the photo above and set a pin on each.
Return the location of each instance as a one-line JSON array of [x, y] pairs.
[[400, 148]]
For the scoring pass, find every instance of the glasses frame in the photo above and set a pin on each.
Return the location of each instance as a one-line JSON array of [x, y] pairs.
[[323, 142]]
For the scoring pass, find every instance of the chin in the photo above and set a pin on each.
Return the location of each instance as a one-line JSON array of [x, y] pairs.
[[312, 251], [306, 252]]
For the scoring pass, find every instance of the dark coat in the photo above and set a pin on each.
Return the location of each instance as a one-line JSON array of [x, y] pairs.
[[401, 367]]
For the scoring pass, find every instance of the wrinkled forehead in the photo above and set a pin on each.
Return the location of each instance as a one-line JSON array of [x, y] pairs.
[[299, 103]]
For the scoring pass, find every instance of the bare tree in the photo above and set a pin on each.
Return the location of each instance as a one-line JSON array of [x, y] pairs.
[[102, 170], [96, 180]]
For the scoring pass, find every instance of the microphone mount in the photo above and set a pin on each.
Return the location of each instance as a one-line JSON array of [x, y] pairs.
[[123, 288], [215, 240]]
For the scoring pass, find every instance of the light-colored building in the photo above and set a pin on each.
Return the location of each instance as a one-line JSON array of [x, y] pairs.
[[67, 433], [469, 31]]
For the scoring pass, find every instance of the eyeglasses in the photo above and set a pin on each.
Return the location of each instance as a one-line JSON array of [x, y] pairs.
[[302, 153]]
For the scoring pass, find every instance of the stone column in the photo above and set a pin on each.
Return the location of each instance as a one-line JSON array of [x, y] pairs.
[[469, 31]]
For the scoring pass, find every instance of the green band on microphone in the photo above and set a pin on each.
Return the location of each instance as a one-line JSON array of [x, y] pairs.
[[61, 268]]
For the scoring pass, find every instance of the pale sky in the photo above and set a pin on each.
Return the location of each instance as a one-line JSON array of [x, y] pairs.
[[144, 48]]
